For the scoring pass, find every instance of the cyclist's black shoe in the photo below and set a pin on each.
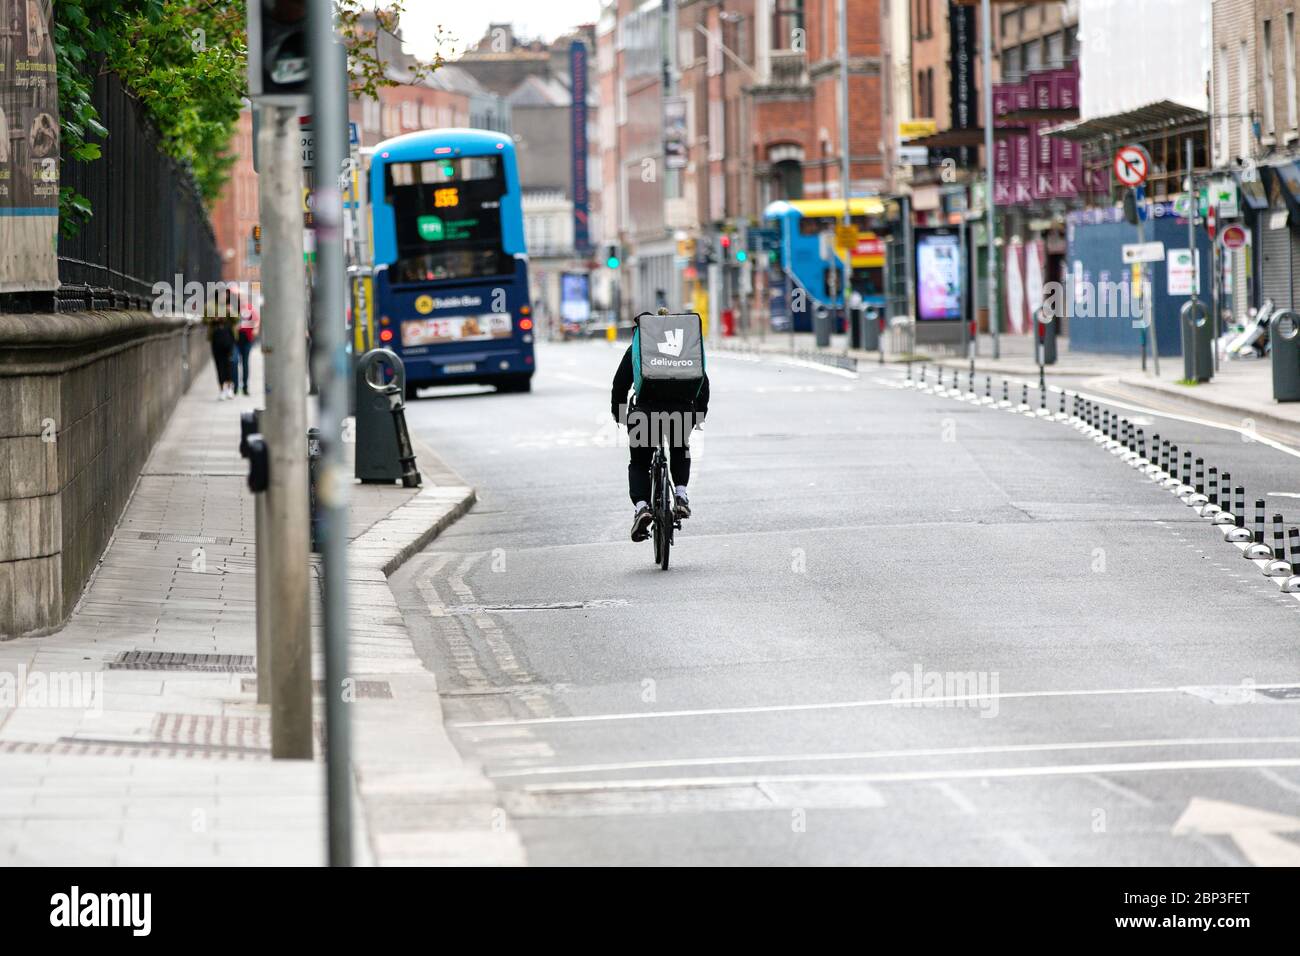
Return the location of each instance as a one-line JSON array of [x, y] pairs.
[[641, 524], [681, 507]]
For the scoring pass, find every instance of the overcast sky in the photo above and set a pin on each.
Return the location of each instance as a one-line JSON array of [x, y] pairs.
[[468, 20]]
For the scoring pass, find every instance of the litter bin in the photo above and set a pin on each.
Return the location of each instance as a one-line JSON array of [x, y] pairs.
[[868, 320], [1198, 341], [1284, 334], [855, 327], [822, 326], [383, 450]]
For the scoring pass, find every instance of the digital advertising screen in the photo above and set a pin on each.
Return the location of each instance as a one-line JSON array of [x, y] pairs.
[[938, 276]]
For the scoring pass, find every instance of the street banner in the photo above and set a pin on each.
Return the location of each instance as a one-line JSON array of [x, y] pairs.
[[1014, 283], [29, 148], [578, 159]]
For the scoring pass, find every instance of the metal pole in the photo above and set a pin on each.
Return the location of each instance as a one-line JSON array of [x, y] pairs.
[[329, 115], [284, 347], [847, 285], [990, 229], [1148, 311]]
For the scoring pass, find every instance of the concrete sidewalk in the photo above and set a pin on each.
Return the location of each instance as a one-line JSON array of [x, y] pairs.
[[108, 759]]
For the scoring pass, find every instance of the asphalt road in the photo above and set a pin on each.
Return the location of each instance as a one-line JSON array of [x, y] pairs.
[[899, 629]]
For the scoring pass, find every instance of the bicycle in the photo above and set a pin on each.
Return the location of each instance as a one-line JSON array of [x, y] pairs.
[[663, 509]]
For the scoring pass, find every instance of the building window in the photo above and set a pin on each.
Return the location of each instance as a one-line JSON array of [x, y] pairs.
[[1033, 56], [1056, 50], [717, 134], [1266, 62], [1290, 71], [1012, 65]]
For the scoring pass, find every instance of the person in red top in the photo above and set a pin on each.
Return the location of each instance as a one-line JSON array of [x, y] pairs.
[[249, 322]]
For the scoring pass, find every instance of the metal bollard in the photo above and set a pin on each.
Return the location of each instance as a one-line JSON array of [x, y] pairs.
[[1238, 532], [1225, 515], [1292, 584], [1279, 567], [1195, 497], [1258, 550], [1172, 481]]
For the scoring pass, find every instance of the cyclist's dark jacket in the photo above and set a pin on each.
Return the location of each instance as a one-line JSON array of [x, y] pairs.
[[623, 384]]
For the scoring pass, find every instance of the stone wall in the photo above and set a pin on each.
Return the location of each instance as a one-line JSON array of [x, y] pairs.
[[83, 398]]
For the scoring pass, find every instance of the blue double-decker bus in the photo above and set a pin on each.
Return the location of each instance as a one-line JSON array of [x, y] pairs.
[[451, 270]]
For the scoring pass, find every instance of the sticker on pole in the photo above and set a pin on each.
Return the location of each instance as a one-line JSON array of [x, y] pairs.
[[1234, 236], [1132, 165]]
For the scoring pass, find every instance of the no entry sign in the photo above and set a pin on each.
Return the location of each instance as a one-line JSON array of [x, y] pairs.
[[1234, 236], [1132, 165]]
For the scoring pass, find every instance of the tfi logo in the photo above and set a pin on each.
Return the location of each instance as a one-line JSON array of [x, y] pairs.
[[672, 343]]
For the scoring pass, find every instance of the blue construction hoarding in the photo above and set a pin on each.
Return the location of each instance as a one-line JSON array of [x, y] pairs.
[[1104, 316]]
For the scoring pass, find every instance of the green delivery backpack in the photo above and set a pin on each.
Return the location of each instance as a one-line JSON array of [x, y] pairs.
[[667, 360]]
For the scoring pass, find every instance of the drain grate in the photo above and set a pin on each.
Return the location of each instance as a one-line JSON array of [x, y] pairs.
[[374, 689], [173, 661], [469, 609], [84, 747], [181, 538]]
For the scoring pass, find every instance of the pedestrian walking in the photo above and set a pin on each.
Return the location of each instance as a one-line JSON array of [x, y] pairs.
[[222, 336], [245, 336]]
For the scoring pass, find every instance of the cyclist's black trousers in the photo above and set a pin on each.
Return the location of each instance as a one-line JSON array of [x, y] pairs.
[[642, 441], [638, 470]]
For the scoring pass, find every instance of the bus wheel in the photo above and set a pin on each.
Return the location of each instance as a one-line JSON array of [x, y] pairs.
[[515, 383]]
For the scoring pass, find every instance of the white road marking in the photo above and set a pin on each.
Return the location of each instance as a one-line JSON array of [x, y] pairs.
[[962, 802], [577, 380], [723, 761], [1031, 853], [1280, 780], [853, 704], [1132, 796], [1254, 831], [913, 776]]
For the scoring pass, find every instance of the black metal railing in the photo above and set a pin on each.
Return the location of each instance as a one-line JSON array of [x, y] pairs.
[[148, 223]]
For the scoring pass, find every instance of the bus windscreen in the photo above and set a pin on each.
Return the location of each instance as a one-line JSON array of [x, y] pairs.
[[447, 213]]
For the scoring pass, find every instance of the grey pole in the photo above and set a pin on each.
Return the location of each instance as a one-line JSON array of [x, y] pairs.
[[284, 347], [990, 229], [329, 118]]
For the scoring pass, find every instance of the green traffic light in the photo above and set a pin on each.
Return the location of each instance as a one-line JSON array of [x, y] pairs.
[[612, 262], [741, 255]]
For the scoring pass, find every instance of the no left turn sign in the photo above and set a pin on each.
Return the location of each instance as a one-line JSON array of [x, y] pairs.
[[1132, 165]]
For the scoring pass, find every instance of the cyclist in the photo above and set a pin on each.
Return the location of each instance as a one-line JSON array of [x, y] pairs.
[[645, 422]]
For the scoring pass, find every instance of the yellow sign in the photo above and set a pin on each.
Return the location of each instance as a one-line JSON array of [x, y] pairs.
[[424, 304], [914, 129], [846, 237]]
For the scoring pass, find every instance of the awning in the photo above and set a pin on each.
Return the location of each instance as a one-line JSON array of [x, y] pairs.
[[1152, 118], [952, 138]]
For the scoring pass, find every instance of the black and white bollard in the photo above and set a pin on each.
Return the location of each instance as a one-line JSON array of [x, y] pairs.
[[1238, 533], [1172, 481], [1292, 584], [1279, 567], [1195, 498], [1258, 550], [1211, 506]]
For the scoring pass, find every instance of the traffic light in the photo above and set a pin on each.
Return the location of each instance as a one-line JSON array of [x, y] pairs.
[[741, 255], [257, 240], [611, 257], [724, 243], [279, 69]]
